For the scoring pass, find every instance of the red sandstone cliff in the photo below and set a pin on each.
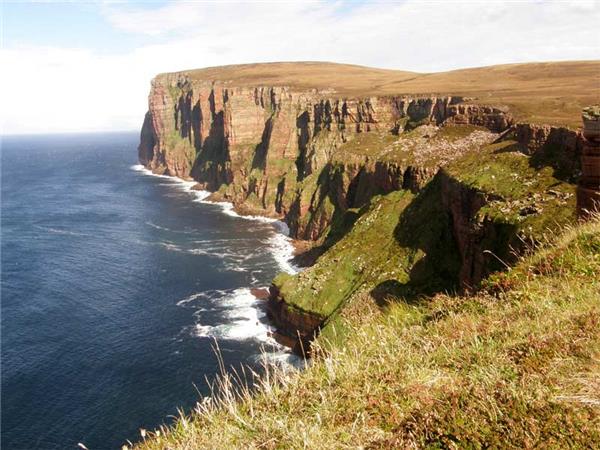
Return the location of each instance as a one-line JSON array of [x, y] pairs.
[[281, 152], [274, 150]]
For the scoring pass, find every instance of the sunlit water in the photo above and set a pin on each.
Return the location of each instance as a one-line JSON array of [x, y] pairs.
[[115, 285]]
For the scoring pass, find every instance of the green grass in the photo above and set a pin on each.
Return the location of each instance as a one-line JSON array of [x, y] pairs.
[[181, 151], [518, 182], [404, 244], [409, 147], [322, 288], [515, 365], [364, 144]]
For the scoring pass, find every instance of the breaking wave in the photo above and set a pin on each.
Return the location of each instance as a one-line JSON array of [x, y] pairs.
[[243, 316]]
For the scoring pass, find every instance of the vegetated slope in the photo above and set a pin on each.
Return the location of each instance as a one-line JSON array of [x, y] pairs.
[[471, 219], [515, 365], [306, 155], [546, 92]]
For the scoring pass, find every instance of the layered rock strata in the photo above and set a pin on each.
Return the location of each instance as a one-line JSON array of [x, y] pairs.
[[273, 150], [588, 191]]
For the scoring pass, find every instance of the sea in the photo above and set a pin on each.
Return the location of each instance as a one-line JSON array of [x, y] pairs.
[[120, 291]]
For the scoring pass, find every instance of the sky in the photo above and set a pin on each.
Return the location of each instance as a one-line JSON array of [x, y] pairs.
[[87, 66]]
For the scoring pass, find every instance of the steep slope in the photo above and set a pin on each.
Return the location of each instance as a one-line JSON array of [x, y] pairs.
[[513, 366], [466, 185], [282, 153], [548, 92], [474, 217]]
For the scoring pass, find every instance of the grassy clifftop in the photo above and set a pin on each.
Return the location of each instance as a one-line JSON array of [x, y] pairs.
[[514, 366], [550, 92]]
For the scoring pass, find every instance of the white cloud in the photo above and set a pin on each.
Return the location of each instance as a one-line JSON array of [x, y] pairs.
[[52, 89]]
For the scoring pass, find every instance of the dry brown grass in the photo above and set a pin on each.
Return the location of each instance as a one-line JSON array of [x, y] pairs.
[[549, 92]]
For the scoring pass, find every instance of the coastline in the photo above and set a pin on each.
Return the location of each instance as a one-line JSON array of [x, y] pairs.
[[248, 316]]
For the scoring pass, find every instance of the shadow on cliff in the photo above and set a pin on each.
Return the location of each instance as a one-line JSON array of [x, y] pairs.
[[332, 210], [211, 166], [343, 194], [259, 160], [302, 124], [565, 164], [431, 255], [560, 152], [445, 249]]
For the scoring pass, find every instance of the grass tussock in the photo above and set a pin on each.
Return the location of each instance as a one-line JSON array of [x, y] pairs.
[[516, 365]]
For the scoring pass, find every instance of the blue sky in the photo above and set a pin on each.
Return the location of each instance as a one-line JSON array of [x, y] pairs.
[[97, 58], [63, 25]]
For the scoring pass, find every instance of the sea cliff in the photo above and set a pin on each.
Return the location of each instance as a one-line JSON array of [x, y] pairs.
[[399, 194]]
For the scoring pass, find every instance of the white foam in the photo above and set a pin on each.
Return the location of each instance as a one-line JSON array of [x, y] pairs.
[[205, 296], [191, 298], [283, 252], [200, 195], [158, 227], [59, 231], [280, 243], [228, 208], [139, 168], [185, 185], [245, 319], [283, 358], [171, 247]]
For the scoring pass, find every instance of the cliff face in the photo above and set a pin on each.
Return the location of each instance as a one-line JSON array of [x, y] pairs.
[[275, 151], [363, 176]]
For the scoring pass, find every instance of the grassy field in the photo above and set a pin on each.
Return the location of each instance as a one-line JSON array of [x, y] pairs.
[[549, 92], [516, 365]]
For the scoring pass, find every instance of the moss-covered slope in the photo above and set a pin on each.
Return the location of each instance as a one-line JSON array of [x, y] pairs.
[[474, 217]]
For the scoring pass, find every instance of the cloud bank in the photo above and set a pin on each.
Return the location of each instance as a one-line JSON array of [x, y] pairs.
[[49, 89]]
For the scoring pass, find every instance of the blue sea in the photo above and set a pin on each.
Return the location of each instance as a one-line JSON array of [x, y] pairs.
[[116, 287]]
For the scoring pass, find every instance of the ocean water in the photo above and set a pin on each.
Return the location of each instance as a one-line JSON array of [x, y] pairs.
[[115, 287]]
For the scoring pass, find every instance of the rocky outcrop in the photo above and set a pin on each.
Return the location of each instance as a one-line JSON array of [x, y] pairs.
[[588, 191], [485, 244], [482, 243], [295, 328], [536, 138], [351, 185], [494, 119], [546, 145]]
